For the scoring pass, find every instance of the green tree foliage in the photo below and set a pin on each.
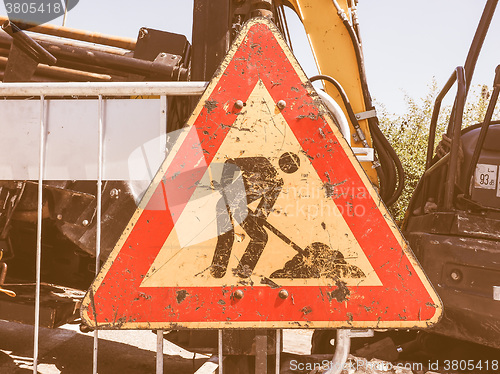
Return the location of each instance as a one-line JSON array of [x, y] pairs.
[[409, 133]]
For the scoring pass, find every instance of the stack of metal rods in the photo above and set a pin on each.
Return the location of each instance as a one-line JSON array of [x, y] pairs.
[[82, 56]]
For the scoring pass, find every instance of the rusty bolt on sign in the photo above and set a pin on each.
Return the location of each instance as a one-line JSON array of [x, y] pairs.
[[283, 294], [281, 104], [238, 294], [238, 104]]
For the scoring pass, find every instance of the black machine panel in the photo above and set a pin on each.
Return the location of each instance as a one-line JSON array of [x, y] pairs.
[[485, 186]]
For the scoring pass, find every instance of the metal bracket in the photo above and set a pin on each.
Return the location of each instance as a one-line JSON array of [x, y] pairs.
[[342, 348], [364, 154], [365, 115], [496, 293], [170, 61]]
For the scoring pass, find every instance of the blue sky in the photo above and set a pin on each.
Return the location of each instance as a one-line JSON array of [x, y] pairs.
[[406, 43]]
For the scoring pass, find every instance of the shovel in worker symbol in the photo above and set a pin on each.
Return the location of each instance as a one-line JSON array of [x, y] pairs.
[[261, 181]]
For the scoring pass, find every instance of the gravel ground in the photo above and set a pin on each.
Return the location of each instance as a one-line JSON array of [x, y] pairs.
[[67, 350]]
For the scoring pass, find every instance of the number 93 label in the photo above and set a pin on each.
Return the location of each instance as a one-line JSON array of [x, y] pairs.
[[486, 176]]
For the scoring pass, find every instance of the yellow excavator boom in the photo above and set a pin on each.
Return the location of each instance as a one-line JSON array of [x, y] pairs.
[[335, 56]]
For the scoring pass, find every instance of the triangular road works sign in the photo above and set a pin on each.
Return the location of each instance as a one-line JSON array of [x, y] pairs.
[[260, 217]]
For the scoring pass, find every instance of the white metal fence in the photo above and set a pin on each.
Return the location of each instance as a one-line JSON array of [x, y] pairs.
[[130, 145], [66, 149]]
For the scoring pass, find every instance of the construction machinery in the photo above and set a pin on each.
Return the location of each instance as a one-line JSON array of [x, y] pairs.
[[452, 221], [452, 217]]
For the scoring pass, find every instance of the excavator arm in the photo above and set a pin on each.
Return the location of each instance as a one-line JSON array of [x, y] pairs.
[[333, 33]]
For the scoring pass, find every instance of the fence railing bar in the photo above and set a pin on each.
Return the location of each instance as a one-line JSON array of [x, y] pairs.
[[163, 117], [221, 355], [159, 333], [105, 89], [159, 352], [278, 351], [38, 282], [100, 156]]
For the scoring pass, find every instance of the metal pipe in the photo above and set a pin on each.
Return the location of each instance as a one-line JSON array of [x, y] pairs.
[[347, 105], [113, 61], [262, 8], [278, 351], [3, 275], [63, 74], [221, 354], [261, 352], [6, 41], [482, 134], [31, 46], [163, 114], [455, 139], [74, 43], [104, 89], [457, 75], [159, 333], [75, 65], [100, 160], [342, 348], [474, 50], [390, 169], [435, 115], [435, 167], [41, 156], [100, 131], [477, 42], [53, 73], [3, 272], [338, 114], [70, 33], [159, 352], [94, 58], [65, 13]]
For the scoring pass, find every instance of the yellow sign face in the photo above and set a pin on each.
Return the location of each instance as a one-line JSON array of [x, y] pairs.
[[303, 211]]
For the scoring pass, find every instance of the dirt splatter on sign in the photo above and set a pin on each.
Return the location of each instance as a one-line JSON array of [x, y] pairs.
[[260, 216]]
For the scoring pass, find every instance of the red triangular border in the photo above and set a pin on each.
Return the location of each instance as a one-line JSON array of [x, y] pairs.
[[406, 298]]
